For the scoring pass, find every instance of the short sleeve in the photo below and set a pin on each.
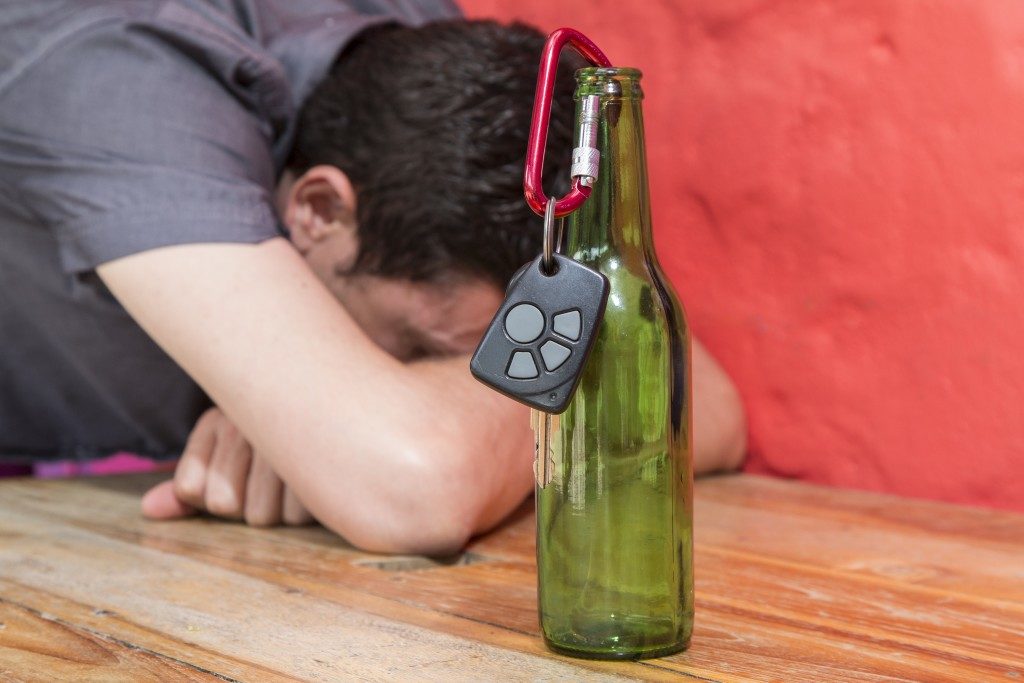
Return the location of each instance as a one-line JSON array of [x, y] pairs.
[[129, 135]]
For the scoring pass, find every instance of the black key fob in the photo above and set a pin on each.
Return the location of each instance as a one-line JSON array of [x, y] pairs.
[[539, 340]]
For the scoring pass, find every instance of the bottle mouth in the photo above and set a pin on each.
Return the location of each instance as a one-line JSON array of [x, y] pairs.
[[614, 81], [604, 73]]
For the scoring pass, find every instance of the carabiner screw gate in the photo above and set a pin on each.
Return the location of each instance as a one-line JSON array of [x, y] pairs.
[[585, 158]]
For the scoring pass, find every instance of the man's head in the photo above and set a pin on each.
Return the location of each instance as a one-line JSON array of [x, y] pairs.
[[404, 189]]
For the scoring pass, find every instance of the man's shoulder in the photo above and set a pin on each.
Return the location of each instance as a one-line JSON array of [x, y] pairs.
[[29, 29], [285, 45], [34, 32]]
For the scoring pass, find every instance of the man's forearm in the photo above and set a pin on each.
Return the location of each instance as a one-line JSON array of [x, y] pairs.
[[379, 451]]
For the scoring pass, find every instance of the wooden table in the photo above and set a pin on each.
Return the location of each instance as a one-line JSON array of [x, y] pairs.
[[794, 583]]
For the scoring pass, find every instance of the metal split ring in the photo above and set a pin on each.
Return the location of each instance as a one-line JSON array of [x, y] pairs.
[[552, 238]]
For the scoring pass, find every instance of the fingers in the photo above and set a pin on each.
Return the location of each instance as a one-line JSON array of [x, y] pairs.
[[218, 473], [227, 473], [190, 474], [293, 512], [264, 495], [161, 502]]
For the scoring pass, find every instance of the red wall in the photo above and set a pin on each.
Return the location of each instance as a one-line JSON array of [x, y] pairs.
[[838, 195]]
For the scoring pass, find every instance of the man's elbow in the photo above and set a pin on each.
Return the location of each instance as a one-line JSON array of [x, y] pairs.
[[720, 432], [734, 446], [418, 514], [431, 536]]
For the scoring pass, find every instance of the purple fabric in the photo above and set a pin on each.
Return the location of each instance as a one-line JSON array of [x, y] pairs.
[[119, 463]]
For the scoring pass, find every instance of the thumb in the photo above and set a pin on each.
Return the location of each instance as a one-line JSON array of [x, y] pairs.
[[161, 503]]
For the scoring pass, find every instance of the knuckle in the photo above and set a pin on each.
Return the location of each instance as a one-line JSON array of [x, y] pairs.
[[227, 431], [223, 503], [209, 418], [297, 518], [261, 517], [187, 490]]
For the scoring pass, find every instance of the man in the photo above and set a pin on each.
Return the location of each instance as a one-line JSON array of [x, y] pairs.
[[148, 153]]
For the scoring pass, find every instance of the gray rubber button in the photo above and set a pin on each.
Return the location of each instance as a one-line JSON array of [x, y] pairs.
[[522, 366], [524, 323], [568, 325], [554, 354]]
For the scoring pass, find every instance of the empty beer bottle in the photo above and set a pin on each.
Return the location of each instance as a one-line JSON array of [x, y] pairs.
[[614, 501]]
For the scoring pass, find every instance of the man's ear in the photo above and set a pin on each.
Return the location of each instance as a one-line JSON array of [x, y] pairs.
[[321, 203]]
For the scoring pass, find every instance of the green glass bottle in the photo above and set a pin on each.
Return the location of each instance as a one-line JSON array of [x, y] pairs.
[[614, 471]]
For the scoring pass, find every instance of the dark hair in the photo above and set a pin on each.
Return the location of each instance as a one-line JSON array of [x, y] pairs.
[[430, 125]]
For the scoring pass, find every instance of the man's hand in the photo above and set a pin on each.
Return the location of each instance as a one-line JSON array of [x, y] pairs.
[[219, 473]]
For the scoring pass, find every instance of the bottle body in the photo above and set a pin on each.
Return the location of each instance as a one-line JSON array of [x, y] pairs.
[[614, 536]]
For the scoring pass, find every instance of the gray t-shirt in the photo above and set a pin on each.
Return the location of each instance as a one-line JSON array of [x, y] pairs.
[[126, 126]]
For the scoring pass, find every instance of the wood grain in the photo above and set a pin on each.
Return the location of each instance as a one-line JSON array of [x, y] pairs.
[[794, 583]]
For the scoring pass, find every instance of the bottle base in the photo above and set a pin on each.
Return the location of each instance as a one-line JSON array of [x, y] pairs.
[[621, 653]]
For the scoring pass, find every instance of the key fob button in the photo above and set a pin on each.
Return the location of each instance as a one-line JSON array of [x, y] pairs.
[[568, 324], [554, 354], [522, 366], [524, 323]]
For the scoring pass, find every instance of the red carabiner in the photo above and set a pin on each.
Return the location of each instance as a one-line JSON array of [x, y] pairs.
[[535, 196]]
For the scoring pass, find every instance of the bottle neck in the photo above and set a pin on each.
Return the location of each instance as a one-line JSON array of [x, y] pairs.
[[614, 222]]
